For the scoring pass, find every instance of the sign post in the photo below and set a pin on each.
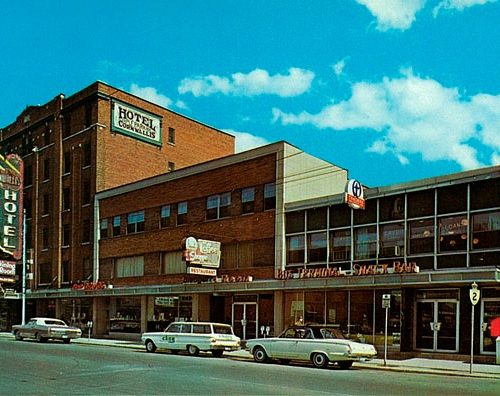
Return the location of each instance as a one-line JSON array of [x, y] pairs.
[[386, 303], [474, 295]]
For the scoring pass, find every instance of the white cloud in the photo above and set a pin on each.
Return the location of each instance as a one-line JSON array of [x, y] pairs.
[[459, 5], [246, 141], [338, 68], [393, 14], [150, 94], [414, 115], [257, 82]]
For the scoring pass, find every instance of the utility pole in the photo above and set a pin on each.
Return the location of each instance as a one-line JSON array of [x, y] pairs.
[[23, 315]]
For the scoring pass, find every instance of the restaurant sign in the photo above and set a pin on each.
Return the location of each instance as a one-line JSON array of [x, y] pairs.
[[7, 267], [136, 123], [11, 205], [201, 252], [397, 267]]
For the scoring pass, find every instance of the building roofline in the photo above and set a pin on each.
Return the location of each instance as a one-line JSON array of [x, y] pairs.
[[217, 163]]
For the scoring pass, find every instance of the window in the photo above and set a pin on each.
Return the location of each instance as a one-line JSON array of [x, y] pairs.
[[316, 219], [65, 272], [46, 169], [171, 135], [46, 205], [340, 245], [421, 203], [87, 154], [28, 205], [295, 222], [66, 235], [87, 269], [67, 163], [340, 216], [130, 266], [66, 124], [88, 114], [182, 211], [165, 216], [218, 206], [86, 231], [392, 208], [248, 200], [171, 166], [28, 175], [269, 196], [86, 192], [421, 236], [66, 198], [452, 199], [116, 225], [316, 247], [365, 243], [44, 274], [45, 239], [484, 194], [392, 238], [237, 255], [295, 249], [173, 263], [135, 222], [486, 230], [103, 228], [453, 233], [46, 136]]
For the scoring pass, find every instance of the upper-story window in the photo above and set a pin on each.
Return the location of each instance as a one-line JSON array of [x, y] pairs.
[[269, 196], [66, 124], [165, 216], [66, 198], [86, 231], [117, 220], [45, 238], [453, 233], [67, 163], [103, 228], [182, 212], [46, 169], [46, 136], [171, 166], [88, 114], [46, 205], [421, 236], [135, 222], [248, 200], [28, 175], [171, 135], [486, 230], [87, 154], [218, 206], [392, 240], [66, 235], [86, 195], [365, 243]]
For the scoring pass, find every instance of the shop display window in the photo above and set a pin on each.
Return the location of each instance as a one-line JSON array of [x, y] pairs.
[[361, 320], [317, 245], [393, 319], [337, 310], [365, 243], [294, 309], [340, 245], [125, 315], [167, 309], [421, 236], [453, 233], [486, 230], [392, 237], [491, 324], [314, 307], [295, 249]]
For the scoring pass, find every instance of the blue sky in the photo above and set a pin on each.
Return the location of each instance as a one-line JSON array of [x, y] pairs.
[[392, 90]]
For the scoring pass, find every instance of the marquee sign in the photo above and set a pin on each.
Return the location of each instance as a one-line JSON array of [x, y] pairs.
[[354, 196], [11, 205], [136, 123]]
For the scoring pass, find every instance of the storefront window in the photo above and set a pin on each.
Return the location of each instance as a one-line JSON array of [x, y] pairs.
[[392, 238], [365, 243], [294, 309], [336, 310], [453, 233], [340, 245], [314, 308], [486, 230], [125, 315], [316, 247], [393, 318], [490, 321], [295, 249], [421, 236], [167, 309], [361, 320]]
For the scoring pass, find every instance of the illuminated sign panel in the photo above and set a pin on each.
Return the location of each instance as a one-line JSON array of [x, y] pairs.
[[202, 252], [11, 205], [136, 123], [354, 196]]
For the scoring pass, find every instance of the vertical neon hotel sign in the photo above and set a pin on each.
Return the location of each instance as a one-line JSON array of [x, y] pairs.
[[11, 205]]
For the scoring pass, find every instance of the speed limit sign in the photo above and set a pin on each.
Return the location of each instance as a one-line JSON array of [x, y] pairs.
[[474, 294]]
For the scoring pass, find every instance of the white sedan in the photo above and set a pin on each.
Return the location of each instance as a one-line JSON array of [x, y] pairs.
[[318, 344]]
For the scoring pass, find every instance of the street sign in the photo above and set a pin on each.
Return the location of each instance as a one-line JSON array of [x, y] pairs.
[[386, 300], [474, 294]]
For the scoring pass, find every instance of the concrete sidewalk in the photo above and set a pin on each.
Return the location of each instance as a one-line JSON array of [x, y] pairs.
[[414, 365]]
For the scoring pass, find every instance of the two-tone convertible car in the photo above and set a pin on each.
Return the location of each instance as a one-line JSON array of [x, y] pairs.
[[318, 344], [43, 329]]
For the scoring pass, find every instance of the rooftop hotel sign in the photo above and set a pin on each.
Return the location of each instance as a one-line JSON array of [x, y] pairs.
[[11, 205], [136, 123]]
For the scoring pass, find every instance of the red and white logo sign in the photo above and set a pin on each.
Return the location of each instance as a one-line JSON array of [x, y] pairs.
[[354, 196]]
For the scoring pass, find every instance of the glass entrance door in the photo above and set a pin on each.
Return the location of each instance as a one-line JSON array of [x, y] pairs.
[[437, 326], [245, 320]]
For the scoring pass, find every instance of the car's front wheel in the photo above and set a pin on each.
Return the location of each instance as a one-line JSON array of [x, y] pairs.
[[18, 336], [320, 360], [217, 353], [260, 355], [150, 346], [40, 338], [193, 350]]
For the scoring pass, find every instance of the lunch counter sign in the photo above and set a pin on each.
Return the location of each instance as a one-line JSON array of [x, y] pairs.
[[136, 123]]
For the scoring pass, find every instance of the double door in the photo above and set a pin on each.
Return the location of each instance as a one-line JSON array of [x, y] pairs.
[[245, 320], [436, 325]]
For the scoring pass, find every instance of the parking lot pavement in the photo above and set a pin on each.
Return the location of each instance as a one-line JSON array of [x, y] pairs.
[[416, 365]]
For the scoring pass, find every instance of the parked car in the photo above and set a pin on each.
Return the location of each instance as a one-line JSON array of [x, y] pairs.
[[43, 329], [193, 337], [318, 344]]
